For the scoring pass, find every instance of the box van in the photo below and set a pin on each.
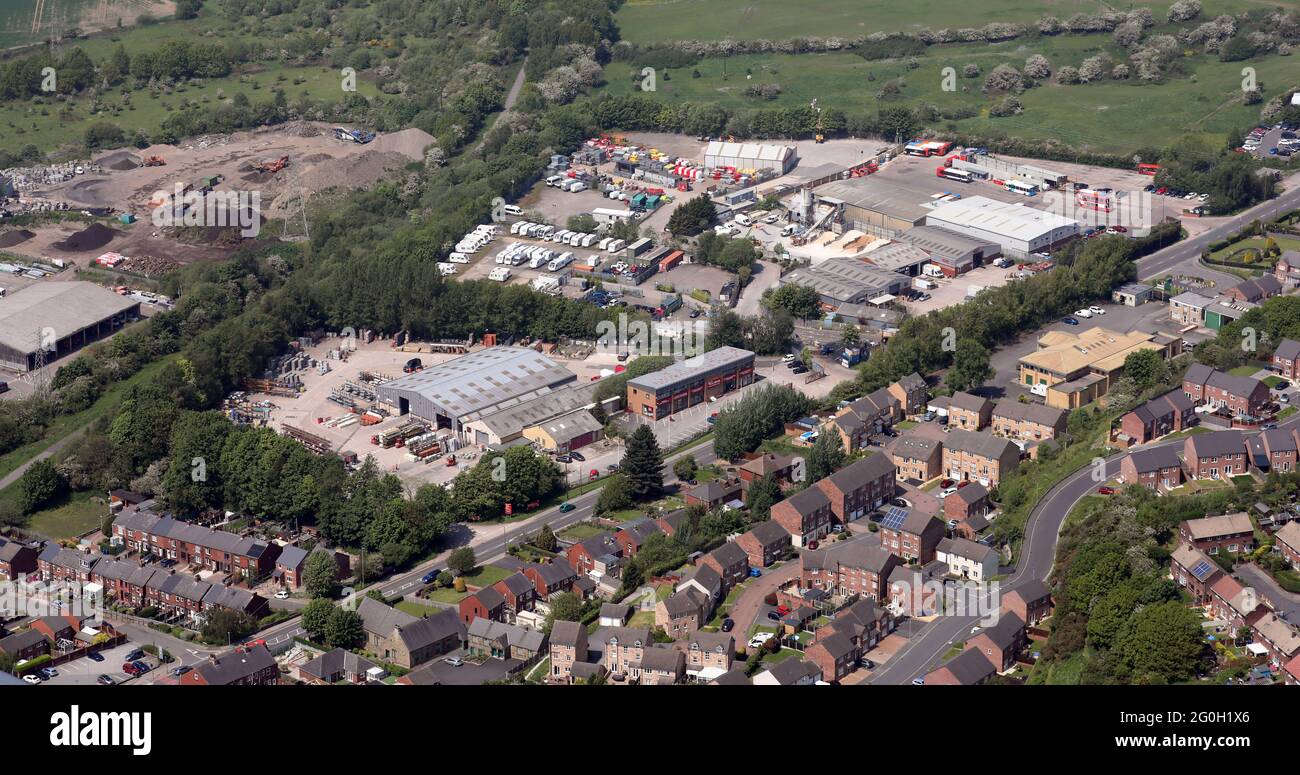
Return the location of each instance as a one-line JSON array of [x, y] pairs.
[[743, 219], [932, 270], [788, 230]]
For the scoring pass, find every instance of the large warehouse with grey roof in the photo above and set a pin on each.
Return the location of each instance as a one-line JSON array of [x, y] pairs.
[[59, 318], [474, 386]]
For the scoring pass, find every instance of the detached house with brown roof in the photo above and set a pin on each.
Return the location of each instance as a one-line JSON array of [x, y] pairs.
[[969, 668], [682, 612], [1192, 570], [969, 412], [1234, 533], [780, 467], [550, 578], [868, 415], [519, 594], [1031, 602], [764, 542], [967, 504], [486, 603]]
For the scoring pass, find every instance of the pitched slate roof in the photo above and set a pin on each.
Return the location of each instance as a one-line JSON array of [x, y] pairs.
[[234, 666], [1029, 412], [337, 661], [790, 671], [1217, 443], [769, 532], [730, 554], [1154, 459], [967, 401], [860, 472], [971, 550], [969, 667], [564, 633], [507, 634], [981, 443], [1214, 527], [1004, 633], [1287, 349]]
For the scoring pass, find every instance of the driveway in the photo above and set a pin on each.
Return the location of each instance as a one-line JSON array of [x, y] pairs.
[[749, 605]]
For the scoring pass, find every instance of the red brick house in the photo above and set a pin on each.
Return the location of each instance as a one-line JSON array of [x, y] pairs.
[[1234, 533], [806, 516], [57, 628], [847, 569], [1216, 455], [1239, 395], [1286, 359], [712, 495], [673, 521], [835, 654], [780, 467], [1276, 450], [1286, 541], [550, 578], [1000, 644], [1193, 571], [912, 536], [731, 563], [969, 501], [969, 668], [27, 644], [1230, 601], [1031, 602], [969, 412], [487, 603], [519, 594], [1157, 468], [634, 534], [146, 532], [1255, 290], [242, 667], [864, 622], [1279, 637], [859, 487], [764, 543], [1173, 412], [583, 556], [70, 566], [16, 560]]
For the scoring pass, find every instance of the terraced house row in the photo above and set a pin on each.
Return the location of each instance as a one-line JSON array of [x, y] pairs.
[[143, 530]]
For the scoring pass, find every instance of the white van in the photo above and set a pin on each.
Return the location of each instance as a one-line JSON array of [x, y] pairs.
[[788, 230], [743, 219], [555, 180], [513, 210]]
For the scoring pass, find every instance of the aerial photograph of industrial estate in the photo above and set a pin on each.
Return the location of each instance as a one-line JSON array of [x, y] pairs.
[[650, 342]]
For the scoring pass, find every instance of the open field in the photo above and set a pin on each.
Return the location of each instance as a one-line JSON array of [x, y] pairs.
[[16, 16], [648, 21], [1099, 116], [49, 128]]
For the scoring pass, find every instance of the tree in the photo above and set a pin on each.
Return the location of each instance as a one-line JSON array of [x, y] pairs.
[[692, 217], [344, 629], [802, 301], [643, 464], [224, 625], [1162, 640], [565, 607], [616, 495], [40, 485], [763, 494], [686, 468], [545, 539], [321, 575], [1147, 368], [970, 366], [826, 457], [851, 335], [462, 561], [315, 618]]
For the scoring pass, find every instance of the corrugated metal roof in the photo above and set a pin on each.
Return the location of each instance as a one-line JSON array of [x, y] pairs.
[[63, 307]]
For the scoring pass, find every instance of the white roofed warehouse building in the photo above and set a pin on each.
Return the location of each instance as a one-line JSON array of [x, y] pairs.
[[58, 318], [690, 382], [1019, 229], [751, 156], [455, 393]]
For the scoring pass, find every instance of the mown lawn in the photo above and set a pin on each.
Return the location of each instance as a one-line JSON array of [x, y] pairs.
[[80, 513]]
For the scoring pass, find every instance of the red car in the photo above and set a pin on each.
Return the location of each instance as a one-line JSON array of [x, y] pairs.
[[946, 483], [783, 610], [1105, 490], [962, 483], [130, 669]]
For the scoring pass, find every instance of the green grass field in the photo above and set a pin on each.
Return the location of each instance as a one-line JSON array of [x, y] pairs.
[[1102, 116], [50, 127], [79, 513], [648, 21]]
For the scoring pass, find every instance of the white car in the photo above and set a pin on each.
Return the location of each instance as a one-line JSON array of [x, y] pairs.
[[454, 661], [32, 678], [773, 218], [1094, 309], [944, 493], [758, 640], [282, 595], [1082, 313]]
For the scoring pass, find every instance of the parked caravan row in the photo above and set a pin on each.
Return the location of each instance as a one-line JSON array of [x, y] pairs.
[[500, 274], [475, 240]]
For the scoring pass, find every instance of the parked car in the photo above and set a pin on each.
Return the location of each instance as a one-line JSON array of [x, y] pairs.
[[32, 678], [945, 492], [774, 616], [728, 624], [755, 573], [563, 459], [1105, 490], [180, 671], [1094, 309], [454, 661], [578, 456], [282, 594], [429, 577], [1070, 321], [94, 656], [105, 680], [134, 655], [130, 669], [812, 544], [142, 666], [48, 672]]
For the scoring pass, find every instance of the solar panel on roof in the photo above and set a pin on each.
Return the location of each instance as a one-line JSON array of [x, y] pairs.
[[894, 518], [1201, 568]]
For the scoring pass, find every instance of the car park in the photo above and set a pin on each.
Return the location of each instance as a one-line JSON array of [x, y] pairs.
[[105, 679], [94, 656]]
